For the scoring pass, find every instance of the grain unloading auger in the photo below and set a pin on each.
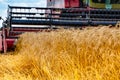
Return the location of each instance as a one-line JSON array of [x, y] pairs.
[[37, 19]]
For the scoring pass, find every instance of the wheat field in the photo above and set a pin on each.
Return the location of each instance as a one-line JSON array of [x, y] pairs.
[[89, 54]]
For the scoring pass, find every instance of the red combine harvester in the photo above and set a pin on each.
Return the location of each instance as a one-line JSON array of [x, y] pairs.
[[69, 13]]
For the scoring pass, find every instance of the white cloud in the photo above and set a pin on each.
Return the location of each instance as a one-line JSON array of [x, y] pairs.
[[3, 15], [19, 4], [35, 4], [1, 0]]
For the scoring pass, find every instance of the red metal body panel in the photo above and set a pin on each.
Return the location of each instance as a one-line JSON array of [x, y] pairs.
[[10, 43], [71, 3], [1, 41]]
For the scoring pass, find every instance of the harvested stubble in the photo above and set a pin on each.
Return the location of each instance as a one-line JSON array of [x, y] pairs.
[[90, 54]]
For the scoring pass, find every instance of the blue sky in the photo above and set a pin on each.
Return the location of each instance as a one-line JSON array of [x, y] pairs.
[[33, 3]]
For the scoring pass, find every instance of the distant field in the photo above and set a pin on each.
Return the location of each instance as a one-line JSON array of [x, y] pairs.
[[89, 54]]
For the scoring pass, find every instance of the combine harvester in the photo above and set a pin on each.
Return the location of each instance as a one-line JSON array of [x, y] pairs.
[[58, 13]]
